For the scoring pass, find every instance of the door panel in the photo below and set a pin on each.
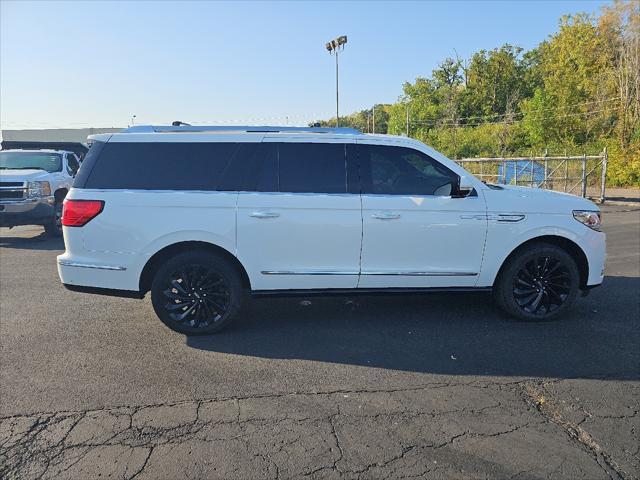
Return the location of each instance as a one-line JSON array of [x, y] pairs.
[[299, 228], [415, 234], [425, 241], [299, 241]]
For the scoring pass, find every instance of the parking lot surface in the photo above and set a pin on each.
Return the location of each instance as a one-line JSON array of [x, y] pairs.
[[434, 386]]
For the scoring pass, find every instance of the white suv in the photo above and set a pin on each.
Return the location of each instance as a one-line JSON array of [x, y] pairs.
[[199, 216]]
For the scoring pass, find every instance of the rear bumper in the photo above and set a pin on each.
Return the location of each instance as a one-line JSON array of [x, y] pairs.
[[37, 211], [105, 272]]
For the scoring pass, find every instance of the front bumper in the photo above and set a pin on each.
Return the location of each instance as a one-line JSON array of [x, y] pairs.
[[595, 248], [33, 211]]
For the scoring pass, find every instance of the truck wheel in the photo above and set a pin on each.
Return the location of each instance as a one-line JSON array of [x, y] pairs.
[[538, 283], [54, 228], [196, 293]]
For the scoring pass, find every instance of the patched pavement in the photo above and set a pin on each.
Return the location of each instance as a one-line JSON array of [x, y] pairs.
[[440, 386]]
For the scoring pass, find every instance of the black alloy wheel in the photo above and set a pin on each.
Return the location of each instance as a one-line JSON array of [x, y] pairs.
[[196, 296], [196, 293], [542, 285], [537, 283]]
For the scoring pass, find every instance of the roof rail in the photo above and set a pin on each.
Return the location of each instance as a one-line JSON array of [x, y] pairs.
[[238, 128]]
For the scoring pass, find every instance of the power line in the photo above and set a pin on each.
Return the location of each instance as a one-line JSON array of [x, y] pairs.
[[497, 115], [475, 124]]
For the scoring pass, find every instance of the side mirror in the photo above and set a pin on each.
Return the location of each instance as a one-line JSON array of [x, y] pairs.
[[464, 187]]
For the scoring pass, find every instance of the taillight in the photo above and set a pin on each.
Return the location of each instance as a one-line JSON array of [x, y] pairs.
[[76, 213]]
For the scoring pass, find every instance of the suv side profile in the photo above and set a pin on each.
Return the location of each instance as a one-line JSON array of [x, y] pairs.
[[33, 185], [200, 216]]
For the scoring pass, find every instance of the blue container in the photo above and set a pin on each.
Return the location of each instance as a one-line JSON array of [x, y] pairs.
[[528, 172]]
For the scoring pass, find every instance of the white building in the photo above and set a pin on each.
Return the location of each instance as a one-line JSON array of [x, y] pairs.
[[54, 134]]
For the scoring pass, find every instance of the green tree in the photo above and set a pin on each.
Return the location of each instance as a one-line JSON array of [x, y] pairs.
[[573, 106], [578, 91]]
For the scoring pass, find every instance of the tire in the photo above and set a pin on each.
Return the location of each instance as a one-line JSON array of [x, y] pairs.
[[181, 284], [54, 228], [538, 283]]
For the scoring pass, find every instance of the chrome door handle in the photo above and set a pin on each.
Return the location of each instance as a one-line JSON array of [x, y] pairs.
[[263, 214], [386, 215]]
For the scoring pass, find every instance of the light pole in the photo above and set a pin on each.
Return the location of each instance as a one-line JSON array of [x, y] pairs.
[[133, 119], [334, 46]]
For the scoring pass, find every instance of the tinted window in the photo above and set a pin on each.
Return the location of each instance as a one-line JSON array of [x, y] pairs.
[[50, 162], [161, 166], [87, 164], [72, 164], [312, 168], [255, 167], [403, 171]]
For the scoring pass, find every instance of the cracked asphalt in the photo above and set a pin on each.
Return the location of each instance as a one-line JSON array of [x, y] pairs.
[[438, 386]]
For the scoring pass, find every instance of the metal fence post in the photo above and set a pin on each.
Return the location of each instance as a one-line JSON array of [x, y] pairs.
[[566, 172], [531, 170], [603, 178], [515, 172], [546, 169], [584, 176], [504, 172]]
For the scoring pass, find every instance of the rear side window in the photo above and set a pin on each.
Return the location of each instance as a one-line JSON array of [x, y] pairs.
[[312, 168], [160, 166], [255, 167], [88, 163]]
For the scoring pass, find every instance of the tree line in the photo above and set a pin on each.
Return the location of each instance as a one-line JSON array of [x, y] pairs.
[[577, 92]]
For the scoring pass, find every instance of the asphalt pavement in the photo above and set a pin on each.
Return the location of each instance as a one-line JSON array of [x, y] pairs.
[[432, 386]]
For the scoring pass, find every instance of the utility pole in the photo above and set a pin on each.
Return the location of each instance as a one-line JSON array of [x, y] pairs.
[[334, 46]]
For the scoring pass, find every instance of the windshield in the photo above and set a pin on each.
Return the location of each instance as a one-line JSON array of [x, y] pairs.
[[50, 162]]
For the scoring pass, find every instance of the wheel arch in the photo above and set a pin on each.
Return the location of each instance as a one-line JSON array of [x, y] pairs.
[[152, 265], [569, 246]]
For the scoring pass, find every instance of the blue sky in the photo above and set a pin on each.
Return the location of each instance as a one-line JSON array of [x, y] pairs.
[[90, 63]]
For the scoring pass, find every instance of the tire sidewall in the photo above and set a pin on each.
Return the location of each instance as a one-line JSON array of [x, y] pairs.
[[54, 228], [504, 292], [212, 261]]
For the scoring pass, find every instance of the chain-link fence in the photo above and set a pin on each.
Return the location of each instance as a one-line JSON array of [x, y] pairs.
[[580, 175]]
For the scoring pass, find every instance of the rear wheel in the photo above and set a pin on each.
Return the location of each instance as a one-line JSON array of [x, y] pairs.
[[54, 227], [196, 293], [538, 283]]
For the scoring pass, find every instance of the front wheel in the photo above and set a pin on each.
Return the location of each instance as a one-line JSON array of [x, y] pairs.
[[538, 283], [196, 293], [54, 227]]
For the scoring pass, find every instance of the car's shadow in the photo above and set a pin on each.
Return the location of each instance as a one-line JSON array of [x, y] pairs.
[[40, 241], [444, 334]]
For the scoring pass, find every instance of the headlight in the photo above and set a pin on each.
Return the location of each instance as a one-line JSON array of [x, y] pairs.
[[589, 218], [38, 189]]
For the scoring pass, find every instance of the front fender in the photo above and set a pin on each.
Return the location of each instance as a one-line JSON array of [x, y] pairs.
[[504, 238]]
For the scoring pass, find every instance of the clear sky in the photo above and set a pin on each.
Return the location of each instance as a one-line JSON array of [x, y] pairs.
[[90, 63]]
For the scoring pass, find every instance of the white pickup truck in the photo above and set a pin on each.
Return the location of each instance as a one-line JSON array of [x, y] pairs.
[[33, 184]]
